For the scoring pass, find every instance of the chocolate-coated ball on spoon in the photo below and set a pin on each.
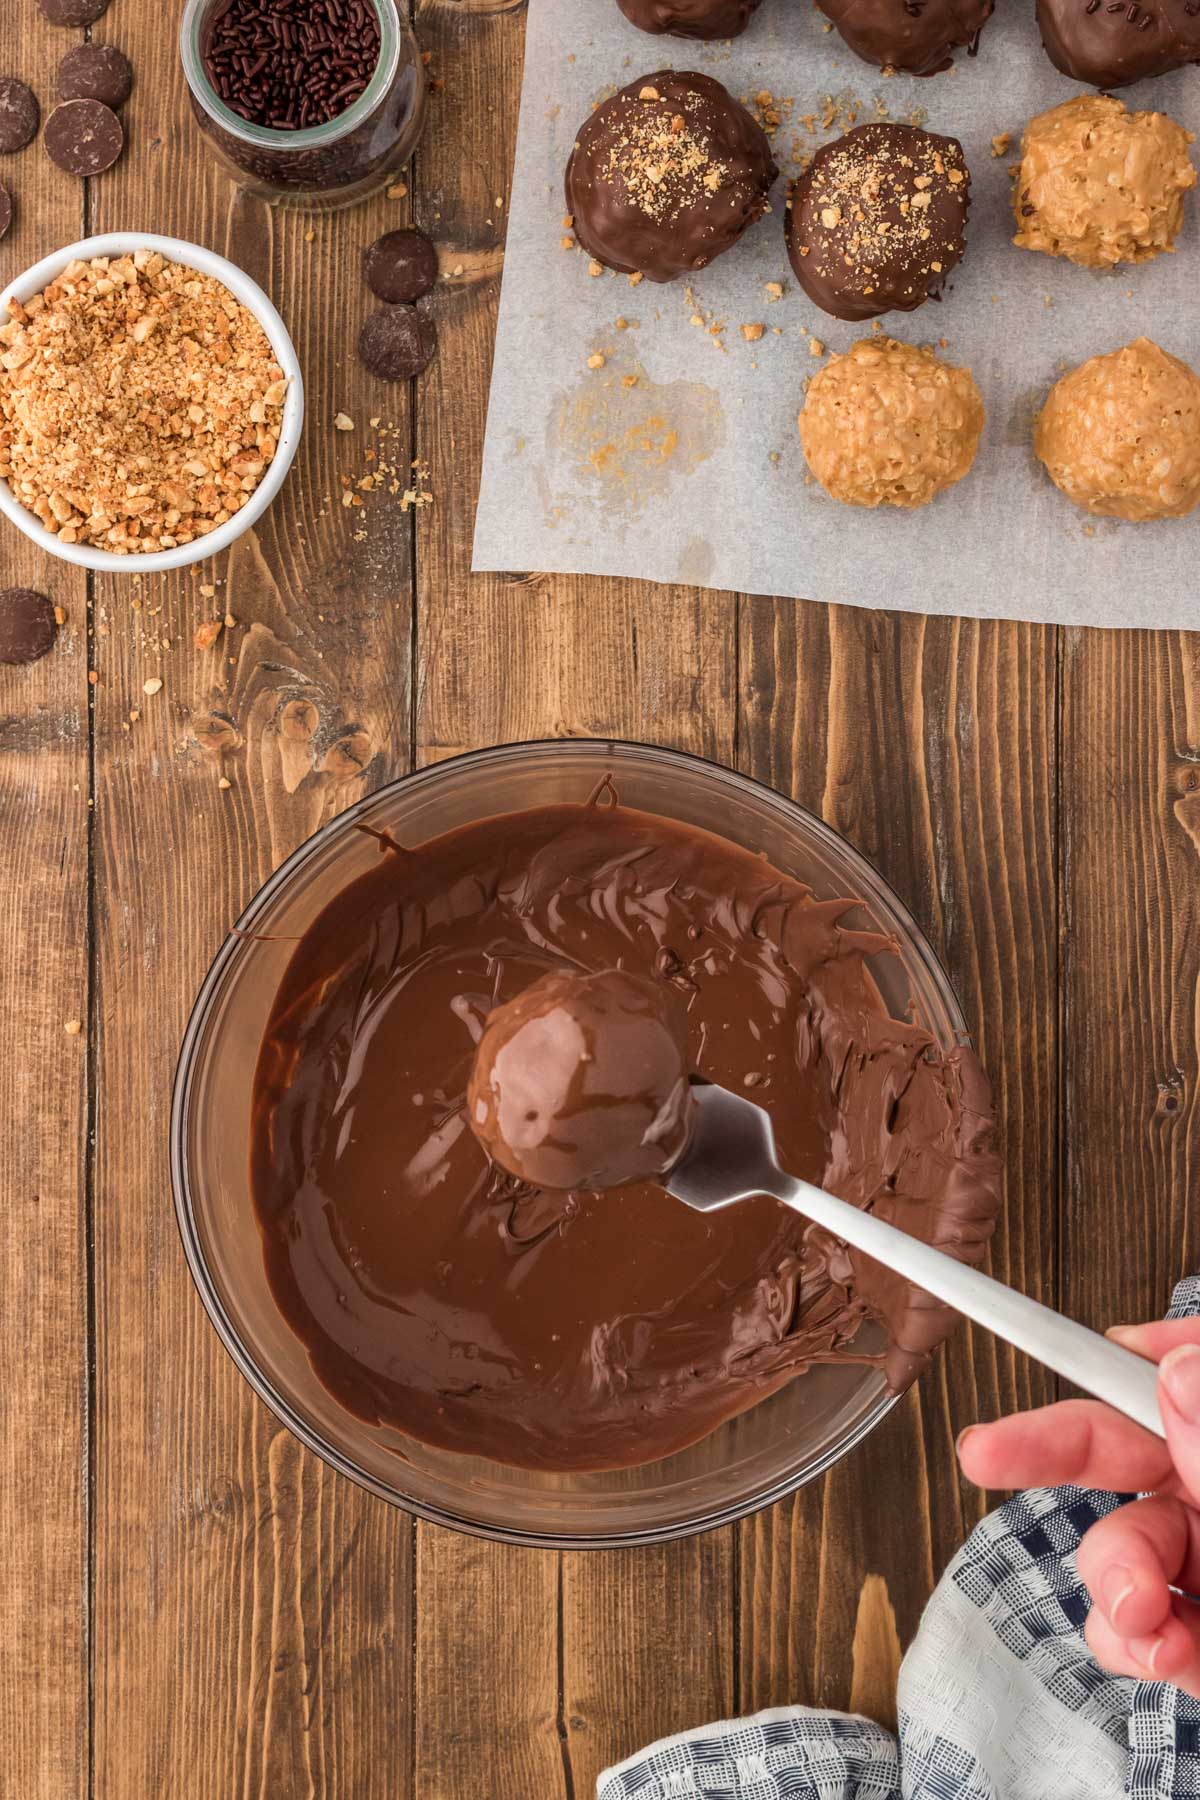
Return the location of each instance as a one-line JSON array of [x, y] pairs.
[[582, 1082]]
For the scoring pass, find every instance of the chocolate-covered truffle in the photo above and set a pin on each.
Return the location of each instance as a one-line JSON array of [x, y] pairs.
[[690, 18], [666, 175], [876, 222], [582, 1082], [1108, 45], [916, 36]]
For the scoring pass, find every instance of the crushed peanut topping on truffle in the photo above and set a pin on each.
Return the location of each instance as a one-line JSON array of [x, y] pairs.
[[880, 213], [665, 166], [140, 404]]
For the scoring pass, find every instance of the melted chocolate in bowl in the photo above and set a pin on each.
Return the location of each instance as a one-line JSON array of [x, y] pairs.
[[570, 1332]]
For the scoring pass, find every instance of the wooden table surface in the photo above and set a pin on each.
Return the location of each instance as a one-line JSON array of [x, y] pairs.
[[193, 1607]]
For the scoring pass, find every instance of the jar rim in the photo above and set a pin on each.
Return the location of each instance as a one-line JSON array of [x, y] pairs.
[[312, 137]]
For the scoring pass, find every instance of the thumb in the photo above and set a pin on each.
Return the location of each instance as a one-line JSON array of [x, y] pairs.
[[1179, 1403]]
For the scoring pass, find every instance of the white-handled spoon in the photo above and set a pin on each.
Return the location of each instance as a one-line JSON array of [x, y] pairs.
[[731, 1156]]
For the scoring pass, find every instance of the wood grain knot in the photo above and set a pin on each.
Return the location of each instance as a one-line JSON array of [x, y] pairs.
[[298, 721], [215, 732], [1172, 1093], [1187, 807], [348, 756]]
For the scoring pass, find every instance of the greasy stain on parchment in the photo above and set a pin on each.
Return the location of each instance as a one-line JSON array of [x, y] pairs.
[[623, 440], [1023, 415]]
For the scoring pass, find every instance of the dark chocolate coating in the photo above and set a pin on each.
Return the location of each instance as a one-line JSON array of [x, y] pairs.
[[487, 1315], [660, 186], [705, 19], [20, 115], [916, 36], [84, 137], [401, 265], [877, 220], [1108, 45], [6, 210], [397, 342], [95, 72], [581, 1081], [27, 625], [73, 12]]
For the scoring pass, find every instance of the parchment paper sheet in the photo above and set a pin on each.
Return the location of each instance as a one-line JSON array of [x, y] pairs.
[[695, 474]]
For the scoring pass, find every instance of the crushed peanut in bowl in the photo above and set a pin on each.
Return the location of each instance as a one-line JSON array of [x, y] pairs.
[[140, 404]]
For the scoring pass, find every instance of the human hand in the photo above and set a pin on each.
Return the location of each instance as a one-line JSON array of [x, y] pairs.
[[1132, 1559]]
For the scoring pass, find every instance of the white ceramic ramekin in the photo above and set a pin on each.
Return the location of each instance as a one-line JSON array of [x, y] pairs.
[[206, 262]]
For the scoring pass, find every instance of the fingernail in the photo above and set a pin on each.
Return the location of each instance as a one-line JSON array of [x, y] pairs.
[[1153, 1654], [1123, 1334], [1115, 1590], [1179, 1376], [962, 1437]]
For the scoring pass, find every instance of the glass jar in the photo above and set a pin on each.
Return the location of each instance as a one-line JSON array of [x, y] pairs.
[[322, 166]]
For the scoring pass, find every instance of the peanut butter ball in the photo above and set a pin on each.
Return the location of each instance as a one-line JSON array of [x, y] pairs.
[[888, 424], [1120, 435], [1101, 185]]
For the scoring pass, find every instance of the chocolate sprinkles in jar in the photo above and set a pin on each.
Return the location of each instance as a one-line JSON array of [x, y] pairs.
[[312, 103]]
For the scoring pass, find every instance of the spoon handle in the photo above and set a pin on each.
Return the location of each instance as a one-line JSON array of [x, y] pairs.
[[1092, 1362]]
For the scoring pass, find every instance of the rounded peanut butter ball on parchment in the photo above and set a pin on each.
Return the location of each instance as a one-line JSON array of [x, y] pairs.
[[666, 175], [704, 19], [889, 424], [1120, 435], [1101, 185]]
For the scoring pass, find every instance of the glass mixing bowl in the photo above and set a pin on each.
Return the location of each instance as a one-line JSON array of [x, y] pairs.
[[750, 1461]]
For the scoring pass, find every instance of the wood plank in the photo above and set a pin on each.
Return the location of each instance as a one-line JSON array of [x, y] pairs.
[[44, 1082], [1131, 974], [931, 744], [501, 658], [253, 1611], [649, 1647]]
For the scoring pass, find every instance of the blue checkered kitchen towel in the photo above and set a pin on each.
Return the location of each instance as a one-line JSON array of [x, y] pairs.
[[999, 1696]]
